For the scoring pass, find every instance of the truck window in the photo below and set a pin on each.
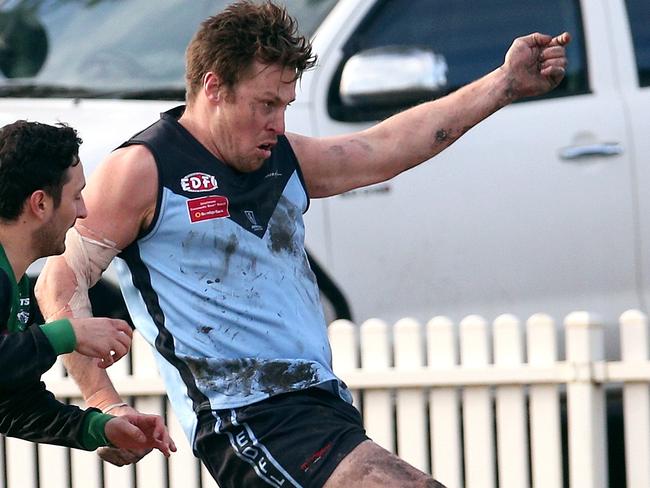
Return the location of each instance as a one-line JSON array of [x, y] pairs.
[[472, 45], [109, 48], [639, 16]]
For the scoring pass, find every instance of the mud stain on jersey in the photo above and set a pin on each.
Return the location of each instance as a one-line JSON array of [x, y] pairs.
[[228, 251], [282, 229], [248, 376]]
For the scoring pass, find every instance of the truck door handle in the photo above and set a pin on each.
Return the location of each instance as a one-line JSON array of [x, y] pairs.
[[590, 150]]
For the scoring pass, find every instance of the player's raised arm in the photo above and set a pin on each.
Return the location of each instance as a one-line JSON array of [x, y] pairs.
[[533, 65]]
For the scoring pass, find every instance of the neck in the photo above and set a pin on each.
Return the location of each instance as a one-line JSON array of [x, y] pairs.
[[197, 122], [17, 246]]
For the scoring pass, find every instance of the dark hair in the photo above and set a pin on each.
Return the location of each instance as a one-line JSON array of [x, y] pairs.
[[228, 43], [34, 156]]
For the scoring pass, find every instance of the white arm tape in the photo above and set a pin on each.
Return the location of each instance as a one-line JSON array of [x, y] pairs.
[[88, 259]]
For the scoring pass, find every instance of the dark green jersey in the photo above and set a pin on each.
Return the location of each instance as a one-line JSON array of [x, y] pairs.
[[27, 409], [15, 300]]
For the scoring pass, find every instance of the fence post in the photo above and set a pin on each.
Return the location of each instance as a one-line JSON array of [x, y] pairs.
[[585, 403], [150, 470], [53, 460], [345, 351], [378, 415], [478, 419], [512, 437], [114, 476], [412, 445], [444, 405], [545, 423], [636, 401]]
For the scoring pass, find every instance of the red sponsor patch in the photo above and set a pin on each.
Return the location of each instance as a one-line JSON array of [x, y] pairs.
[[207, 208]]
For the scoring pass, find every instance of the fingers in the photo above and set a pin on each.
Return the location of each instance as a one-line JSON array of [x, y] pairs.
[[122, 326], [561, 40], [136, 434], [103, 338], [554, 52], [122, 433], [120, 457], [556, 64], [165, 443], [118, 351], [544, 40], [552, 59], [554, 74], [157, 434]]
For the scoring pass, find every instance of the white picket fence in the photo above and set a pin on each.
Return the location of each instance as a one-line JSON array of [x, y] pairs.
[[478, 406]]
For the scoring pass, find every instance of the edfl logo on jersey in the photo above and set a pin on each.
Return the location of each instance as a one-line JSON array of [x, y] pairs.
[[198, 182]]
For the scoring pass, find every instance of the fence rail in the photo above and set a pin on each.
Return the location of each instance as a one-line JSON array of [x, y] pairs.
[[479, 405]]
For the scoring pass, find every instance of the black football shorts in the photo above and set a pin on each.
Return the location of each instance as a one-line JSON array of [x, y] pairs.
[[295, 439]]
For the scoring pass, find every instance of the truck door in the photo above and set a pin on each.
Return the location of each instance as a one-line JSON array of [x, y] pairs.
[[530, 211], [631, 39]]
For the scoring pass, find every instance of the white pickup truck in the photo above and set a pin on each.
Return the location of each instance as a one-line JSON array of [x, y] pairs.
[[543, 207]]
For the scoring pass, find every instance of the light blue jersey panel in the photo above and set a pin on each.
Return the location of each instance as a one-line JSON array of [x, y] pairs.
[[244, 312]]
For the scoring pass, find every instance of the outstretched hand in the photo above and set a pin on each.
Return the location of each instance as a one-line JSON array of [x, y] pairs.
[[536, 64], [131, 449], [140, 431]]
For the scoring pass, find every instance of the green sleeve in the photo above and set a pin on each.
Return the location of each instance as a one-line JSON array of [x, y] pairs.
[[94, 430], [61, 335]]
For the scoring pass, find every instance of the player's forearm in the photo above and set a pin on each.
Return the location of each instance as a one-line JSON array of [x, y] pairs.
[[95, 384], [32, 413], [55, 288], [422, 132]]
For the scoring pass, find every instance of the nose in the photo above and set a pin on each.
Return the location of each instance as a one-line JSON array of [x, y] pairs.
[[277, 122], [82, 212]]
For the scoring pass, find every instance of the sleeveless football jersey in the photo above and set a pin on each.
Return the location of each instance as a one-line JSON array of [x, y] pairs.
[[220, 284]]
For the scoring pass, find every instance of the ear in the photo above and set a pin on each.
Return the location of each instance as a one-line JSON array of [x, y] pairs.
[[213, 88], [40, 205]]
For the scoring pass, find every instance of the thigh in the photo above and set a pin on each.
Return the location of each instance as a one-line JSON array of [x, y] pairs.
[[369, 465], [293, 440]]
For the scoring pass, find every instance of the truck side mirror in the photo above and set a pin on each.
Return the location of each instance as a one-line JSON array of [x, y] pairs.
[[392, 76]]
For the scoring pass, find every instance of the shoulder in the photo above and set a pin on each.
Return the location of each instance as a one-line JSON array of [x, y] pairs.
[[121, 193], [300, 144], [133, 159], [125, 169]]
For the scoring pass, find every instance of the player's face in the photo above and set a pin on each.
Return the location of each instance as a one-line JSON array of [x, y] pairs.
[[52, 235], [249, 121]]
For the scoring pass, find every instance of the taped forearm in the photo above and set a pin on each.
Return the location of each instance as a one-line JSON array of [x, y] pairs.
[[62, 288], [87, 257]]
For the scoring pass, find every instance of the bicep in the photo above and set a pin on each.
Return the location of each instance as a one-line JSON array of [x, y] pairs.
[[333, 165], [120, 196]]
